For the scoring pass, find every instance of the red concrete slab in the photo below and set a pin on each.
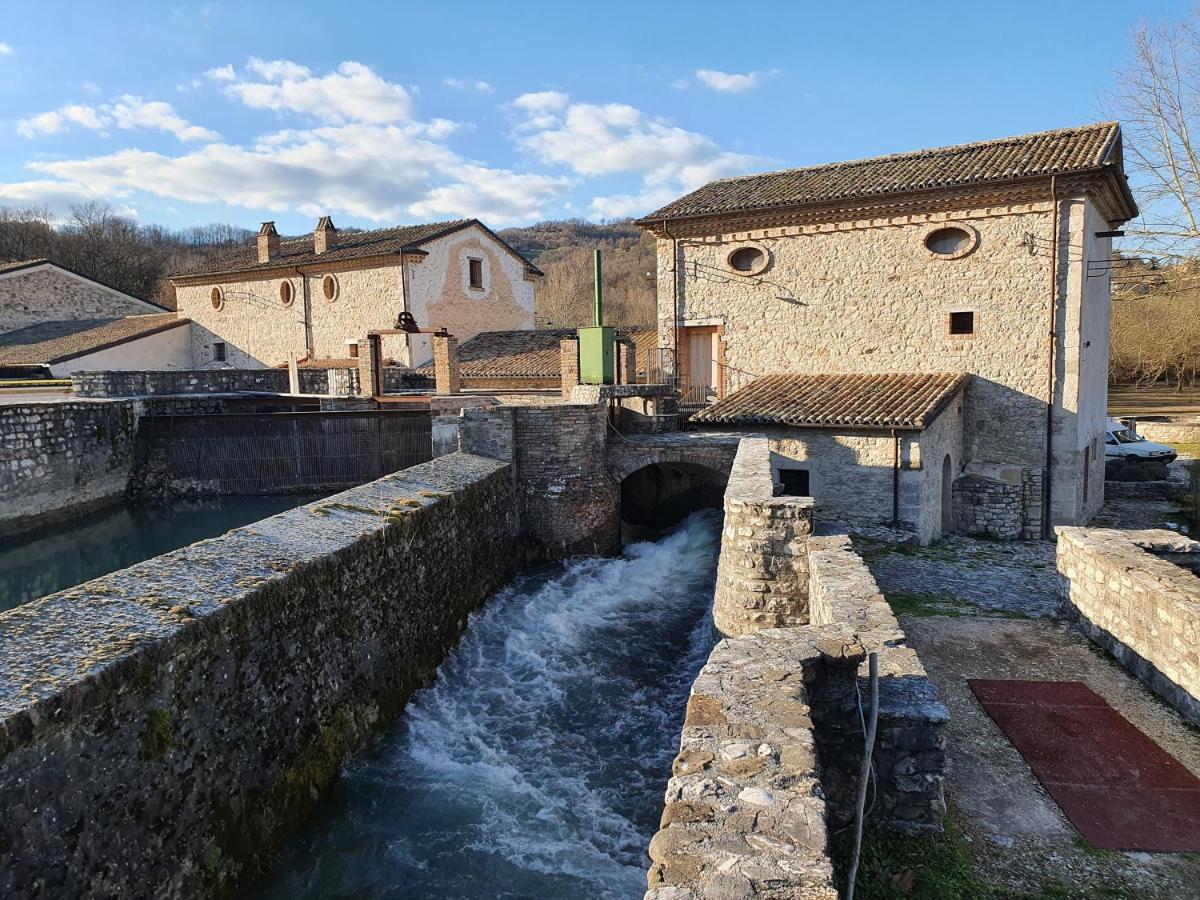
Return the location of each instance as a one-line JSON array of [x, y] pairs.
[[1120, 789]]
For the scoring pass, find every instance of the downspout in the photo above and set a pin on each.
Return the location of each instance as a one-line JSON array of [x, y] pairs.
[[895, 478], [1051, 342], [308, 329]]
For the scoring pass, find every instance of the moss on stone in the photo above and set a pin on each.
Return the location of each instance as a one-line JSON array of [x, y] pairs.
[[159, 734]]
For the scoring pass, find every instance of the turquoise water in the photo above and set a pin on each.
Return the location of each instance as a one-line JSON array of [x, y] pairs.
[[85, 548], [534, 767]]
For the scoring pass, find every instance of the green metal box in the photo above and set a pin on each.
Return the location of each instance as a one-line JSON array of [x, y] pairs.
[[596, 365]]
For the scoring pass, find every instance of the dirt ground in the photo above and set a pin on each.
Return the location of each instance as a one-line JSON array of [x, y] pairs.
[[978, 609]]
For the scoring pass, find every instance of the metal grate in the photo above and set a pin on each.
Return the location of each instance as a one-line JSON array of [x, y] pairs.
[[252, 453]]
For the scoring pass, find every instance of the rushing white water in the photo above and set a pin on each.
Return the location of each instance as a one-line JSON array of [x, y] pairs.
[[534, 766]]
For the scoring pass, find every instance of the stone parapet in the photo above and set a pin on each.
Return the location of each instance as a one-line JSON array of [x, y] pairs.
[[762, 573], [205, 699], [337, 382], [1136, 595]]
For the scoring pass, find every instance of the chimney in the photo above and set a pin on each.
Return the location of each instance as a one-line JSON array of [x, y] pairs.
[[325, 237], [268, 242]]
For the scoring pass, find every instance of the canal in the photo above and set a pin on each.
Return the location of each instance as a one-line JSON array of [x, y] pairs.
[[65, 555], [535, 765]]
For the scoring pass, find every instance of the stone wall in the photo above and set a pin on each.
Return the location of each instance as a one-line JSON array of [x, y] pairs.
[[762, 573], [1125, 590], [208, 381], [988, 507], [48, 293], [1176, 431], [163, 727], [62, 459]]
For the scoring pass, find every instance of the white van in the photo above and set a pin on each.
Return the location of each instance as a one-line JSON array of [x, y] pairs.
[[1120, 441]]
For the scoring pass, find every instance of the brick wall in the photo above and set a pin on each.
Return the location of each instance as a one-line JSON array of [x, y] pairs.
[[1122, 589]]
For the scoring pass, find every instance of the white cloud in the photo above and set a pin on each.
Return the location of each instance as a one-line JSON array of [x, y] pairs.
[[133, 112], [354, 93], [91, 87], [125, 112], [614, 138], [221, 73], [542, 102], [466, 84], [5, 49], [728, 82]]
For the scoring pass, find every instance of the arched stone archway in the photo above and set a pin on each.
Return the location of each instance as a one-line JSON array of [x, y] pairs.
[[661, 494]]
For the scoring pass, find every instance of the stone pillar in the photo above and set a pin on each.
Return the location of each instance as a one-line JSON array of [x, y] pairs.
[[370, 364], [568, 349], [445, 364], [626, 362]]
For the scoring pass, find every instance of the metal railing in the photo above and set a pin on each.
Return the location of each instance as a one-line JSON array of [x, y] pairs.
[[694, 395]]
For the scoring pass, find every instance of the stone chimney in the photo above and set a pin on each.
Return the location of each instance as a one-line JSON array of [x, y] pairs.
[[268, 242], [325, 236]]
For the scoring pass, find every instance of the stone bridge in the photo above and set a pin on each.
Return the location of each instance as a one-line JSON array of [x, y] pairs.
[[713, 450]]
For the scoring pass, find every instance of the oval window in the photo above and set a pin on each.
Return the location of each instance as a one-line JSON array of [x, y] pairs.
[[948, 241], [286, 293], [216, 298], [329, 287], [747, 259]]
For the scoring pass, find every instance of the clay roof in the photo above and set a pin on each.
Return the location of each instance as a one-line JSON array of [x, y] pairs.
[[350, 245], [1083, 149], [906, 401], [529, 353], [51, 342]]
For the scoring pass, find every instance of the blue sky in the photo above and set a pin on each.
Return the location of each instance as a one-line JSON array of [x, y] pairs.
[[183, 114]]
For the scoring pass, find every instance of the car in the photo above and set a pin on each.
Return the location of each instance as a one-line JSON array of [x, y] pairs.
[[1121, 441]]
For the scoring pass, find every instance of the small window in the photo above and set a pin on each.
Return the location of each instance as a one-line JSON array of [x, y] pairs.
[[219, 351], [747, 259], [949, 242], [795, 482], [962, 323], [286, 293], [217, 298], [475, 273], [329, 287]]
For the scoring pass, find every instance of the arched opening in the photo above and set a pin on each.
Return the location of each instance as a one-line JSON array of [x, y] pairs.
[[661, 495], [947, 495]]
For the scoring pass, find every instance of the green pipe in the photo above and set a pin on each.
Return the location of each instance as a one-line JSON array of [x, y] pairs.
[[599, 292]]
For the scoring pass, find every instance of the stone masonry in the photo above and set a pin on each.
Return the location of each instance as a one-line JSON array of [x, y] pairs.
[[762, 573], [986, 506], [1129, 591], [49, 293]]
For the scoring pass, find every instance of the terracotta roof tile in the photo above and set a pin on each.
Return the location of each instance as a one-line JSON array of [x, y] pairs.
[[350, 245], [1088, 147], [908, 401], [527, 354], [51, 342]]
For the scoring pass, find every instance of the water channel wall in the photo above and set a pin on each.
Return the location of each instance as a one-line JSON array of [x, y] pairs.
[[1130, 593], [62, 459], [161, 728], [773, 740]]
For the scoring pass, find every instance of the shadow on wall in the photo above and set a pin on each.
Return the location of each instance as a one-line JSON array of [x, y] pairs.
[[661, 495]]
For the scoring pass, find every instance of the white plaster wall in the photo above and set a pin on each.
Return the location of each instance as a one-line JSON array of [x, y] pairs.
[[49, 294], [440, 293], [169, 349]]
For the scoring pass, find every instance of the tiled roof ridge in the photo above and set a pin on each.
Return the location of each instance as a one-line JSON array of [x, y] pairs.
[[929, 152]]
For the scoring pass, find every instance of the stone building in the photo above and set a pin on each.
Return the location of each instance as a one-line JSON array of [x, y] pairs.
[[37, 292], [315, 297], [989, 260]]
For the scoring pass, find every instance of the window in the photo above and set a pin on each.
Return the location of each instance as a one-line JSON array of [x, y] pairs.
[[951, 241], [286, 293], [217, 298], [962, 323], [219, 351], [475, 273], [795, 482], [748, 260], [329, 287]]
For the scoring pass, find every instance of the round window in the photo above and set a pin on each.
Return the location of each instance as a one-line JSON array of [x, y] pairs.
[[748, 260], [216, 298], [286, 293], [949, 241], [329, 287]]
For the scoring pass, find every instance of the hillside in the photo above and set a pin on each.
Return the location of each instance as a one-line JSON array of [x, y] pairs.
[[563, 250]]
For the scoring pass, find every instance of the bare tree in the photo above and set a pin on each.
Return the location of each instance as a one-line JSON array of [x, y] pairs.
[[1157, 99]]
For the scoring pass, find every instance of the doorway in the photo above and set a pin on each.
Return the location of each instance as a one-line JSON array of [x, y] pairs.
[[947, 495], [699, 370]]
